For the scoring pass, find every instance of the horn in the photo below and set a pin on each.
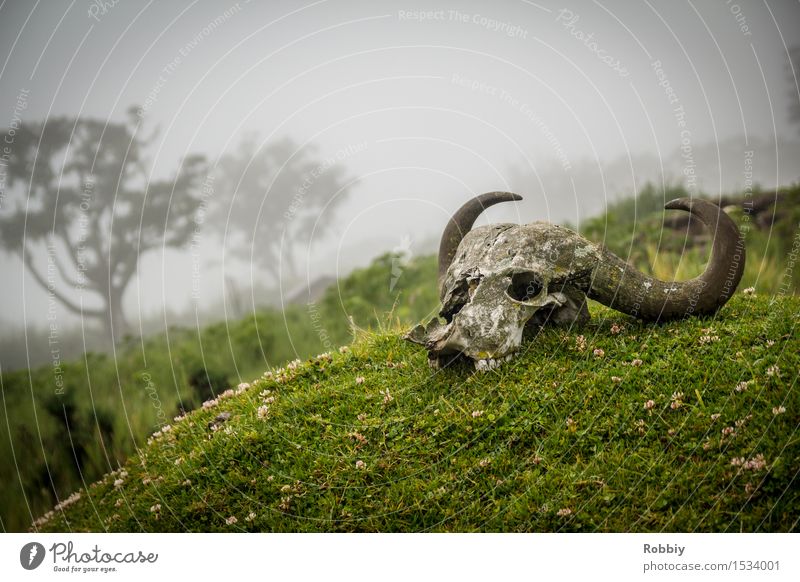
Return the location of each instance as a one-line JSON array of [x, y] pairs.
[[618, 285], [461, 223]]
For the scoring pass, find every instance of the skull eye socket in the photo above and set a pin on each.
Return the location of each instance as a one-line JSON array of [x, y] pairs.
[[524, 286]]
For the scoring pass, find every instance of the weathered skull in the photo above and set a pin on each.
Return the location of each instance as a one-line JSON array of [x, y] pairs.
[[497, 281]]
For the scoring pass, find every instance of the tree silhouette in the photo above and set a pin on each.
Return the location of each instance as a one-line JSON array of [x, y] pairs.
[[275, 195], [88, 197]]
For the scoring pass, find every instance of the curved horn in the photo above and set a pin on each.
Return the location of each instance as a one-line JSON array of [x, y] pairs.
[[461, 223], [621, 287]]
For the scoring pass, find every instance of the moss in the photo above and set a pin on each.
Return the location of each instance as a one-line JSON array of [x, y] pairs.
[[562, 427]]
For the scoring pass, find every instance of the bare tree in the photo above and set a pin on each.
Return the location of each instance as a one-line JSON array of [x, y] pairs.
[[88, 199], [273, 195]]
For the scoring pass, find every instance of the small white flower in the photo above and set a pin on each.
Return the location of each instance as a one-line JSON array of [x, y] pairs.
[[650, 405], [250, 516], [155, 508], [750, 291], [564, 512], [616, 379], [231, 520], [599, 353], [361, 464], [344, 350], [360, 380], [263, 412], [118, 483], [637, 362], [477, 413], [778, 410], [773, 371]]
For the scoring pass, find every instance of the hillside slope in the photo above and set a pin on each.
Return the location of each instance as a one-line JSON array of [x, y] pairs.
[[690, 426]]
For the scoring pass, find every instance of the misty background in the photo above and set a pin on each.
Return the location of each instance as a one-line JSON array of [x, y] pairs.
[[334, 131]]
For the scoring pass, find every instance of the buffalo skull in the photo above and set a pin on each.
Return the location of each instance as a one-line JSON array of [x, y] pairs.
[[499, 281]]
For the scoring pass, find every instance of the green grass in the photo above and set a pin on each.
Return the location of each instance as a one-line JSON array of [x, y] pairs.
[[61, 428], [549, 442]]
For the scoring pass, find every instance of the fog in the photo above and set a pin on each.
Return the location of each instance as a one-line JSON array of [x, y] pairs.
[[420, 105]]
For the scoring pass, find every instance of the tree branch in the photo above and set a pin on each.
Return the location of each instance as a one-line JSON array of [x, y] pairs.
[[63, 273], [74, 307]]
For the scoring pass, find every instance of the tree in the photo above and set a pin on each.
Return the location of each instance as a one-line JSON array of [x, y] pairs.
[[90, 201], [274, 195]]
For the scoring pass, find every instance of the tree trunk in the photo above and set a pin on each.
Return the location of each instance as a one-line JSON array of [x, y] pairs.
[[115, 321]]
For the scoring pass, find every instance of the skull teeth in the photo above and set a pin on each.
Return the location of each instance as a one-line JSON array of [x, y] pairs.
[[491, 363]]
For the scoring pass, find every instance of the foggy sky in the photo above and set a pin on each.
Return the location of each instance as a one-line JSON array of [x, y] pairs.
[[424, 109]]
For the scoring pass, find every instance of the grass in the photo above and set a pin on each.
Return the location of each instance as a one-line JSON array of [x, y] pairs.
[[60, 428], [560, 439]]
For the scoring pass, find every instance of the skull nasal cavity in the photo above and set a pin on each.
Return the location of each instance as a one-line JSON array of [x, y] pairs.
[[524, 286]]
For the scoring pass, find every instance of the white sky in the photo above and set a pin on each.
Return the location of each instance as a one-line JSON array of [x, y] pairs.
[[447, 106]]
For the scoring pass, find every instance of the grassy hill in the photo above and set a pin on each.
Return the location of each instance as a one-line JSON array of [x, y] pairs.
[[64, 428], [690, 426]]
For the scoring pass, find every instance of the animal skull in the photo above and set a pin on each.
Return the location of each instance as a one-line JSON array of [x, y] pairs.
[[497, 281]]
